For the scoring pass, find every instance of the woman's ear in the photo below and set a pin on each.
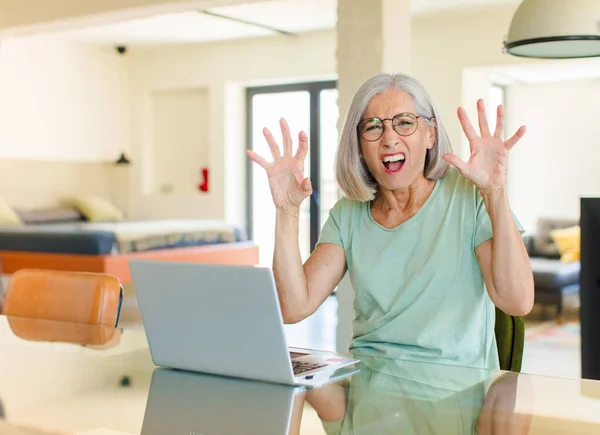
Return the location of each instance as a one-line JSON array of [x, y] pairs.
[[431, 137]]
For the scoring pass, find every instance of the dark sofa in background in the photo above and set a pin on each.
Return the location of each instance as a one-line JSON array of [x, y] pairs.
[[554, 279]]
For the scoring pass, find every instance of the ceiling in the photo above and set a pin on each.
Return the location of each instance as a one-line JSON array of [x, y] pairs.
[[293, 16]]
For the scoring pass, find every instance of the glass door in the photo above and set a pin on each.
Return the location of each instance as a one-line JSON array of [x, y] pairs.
[[328, 139], [267, 109], [311, 107]]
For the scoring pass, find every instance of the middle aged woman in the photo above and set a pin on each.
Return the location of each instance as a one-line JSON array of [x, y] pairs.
[[429, 241]]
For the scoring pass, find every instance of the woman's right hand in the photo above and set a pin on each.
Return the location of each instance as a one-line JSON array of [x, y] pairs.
[[288, 185]]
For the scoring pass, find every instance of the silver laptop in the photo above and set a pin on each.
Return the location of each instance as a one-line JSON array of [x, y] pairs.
[[225, 320], [181, 402]]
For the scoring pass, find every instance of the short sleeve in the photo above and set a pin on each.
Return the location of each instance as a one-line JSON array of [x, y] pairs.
[[330, 233], [483, 224], [333, 427]]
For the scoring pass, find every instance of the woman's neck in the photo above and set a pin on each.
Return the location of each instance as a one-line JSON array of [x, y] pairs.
[[407, 200]]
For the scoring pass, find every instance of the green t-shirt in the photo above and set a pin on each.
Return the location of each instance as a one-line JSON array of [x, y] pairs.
[[419, 290]]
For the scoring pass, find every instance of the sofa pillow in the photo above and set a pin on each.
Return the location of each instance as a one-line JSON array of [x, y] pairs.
[[8, 216], [568, 241], [544, 245], [49, 216], [96, 209]]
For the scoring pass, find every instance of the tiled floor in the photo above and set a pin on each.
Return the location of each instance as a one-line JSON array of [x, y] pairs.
[[552, 358], [552, 361]]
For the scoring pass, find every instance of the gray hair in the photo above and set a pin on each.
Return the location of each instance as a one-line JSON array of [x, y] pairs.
[[351, 172]]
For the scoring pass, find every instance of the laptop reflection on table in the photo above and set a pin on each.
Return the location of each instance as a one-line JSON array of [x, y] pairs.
[[182, 402]]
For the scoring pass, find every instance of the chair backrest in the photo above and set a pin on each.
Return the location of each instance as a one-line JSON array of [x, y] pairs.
[[510, 339], [76, 297], [95, 336]]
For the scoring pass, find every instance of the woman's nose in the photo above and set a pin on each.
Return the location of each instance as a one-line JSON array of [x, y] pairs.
[[390, 137]]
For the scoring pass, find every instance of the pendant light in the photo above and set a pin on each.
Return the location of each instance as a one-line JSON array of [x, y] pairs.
[[555, 29]]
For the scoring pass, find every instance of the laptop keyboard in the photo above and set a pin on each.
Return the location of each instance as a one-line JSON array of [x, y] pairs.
[[301, 366]]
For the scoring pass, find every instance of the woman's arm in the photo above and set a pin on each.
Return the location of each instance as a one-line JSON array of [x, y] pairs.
[[500, 414], [329, 401], [504, 260], [303, 288]]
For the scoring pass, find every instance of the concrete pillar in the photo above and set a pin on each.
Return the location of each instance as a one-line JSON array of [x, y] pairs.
[[373, 36]]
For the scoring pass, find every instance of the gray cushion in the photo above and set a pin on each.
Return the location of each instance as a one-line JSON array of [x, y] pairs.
[[52, 215], [554, 274], [544, 244]]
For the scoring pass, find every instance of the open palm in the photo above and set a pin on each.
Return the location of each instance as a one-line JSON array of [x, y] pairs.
[[286, 178], [488, 163]]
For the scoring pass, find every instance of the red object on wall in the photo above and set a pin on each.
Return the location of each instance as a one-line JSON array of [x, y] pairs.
[[204, 185]]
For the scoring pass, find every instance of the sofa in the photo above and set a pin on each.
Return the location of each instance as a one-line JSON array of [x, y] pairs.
[[554, 279]]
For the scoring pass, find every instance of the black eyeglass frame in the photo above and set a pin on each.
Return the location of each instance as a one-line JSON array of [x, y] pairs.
[[393, 126]]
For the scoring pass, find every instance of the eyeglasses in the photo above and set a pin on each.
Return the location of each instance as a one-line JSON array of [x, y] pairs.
[[405, 124]]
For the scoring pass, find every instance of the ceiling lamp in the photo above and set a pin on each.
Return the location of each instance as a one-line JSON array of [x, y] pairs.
[[555, 29]]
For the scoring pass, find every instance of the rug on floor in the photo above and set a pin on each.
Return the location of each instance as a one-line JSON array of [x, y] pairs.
[[554, 333]]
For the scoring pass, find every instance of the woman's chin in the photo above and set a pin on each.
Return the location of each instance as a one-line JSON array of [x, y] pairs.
[[392, 181], [398, 181]]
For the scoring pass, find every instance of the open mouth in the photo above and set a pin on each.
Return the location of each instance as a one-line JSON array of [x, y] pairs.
[[394, 162]]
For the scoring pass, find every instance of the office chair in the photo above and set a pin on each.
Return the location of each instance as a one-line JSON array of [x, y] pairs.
[[71, 297], [510, 339], [83, 334], [75, 297]]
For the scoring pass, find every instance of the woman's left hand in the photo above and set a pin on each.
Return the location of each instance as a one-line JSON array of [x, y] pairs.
[[488, 164]]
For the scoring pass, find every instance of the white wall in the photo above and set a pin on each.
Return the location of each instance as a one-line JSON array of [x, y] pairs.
[[180, 140], [29, 184], [224, 69], [62, 101], [557, 161]]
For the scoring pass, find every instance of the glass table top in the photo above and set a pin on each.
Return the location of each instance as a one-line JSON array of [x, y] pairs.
[[58, 378]]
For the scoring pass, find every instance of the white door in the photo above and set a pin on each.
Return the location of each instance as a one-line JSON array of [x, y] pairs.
[[174, 155]]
